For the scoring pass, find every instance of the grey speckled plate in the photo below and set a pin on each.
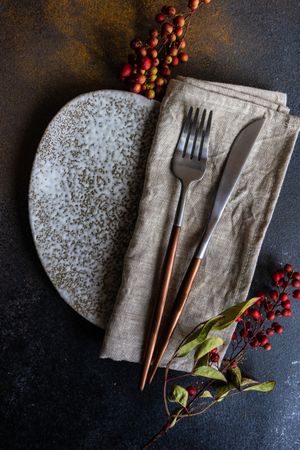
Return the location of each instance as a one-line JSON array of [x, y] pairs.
[[84, 191]]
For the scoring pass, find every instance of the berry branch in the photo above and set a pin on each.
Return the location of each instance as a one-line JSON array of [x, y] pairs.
[[218, 380], [148, 69]]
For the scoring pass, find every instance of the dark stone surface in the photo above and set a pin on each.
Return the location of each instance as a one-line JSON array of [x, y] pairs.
[[55, 392]]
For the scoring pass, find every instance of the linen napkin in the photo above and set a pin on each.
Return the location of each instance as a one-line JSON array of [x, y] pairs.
[[226, 272]]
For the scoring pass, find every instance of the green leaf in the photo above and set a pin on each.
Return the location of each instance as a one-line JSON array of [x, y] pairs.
[[267, 386], [175, 417], [206, 394], [246, 381], [223, 391], [203, 361], [207, 346], [209, 372], [235, 377], [229, 316], [196, 338], [179, 395]]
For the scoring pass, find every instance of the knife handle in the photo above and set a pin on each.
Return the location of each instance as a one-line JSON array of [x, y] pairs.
[[178, 307], [160, 305]]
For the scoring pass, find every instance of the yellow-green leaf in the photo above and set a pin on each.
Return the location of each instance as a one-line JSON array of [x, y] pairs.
[[175, 418], [267, 386], [207, 346], [206, 394], [246, 381], [179, 395], [229, 316], [196, 338], [209, 372], [235, 377], [223, 391]]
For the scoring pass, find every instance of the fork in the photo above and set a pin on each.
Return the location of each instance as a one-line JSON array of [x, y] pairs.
[[188, 165]]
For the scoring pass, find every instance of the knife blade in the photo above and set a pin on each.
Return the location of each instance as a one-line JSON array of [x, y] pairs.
[[235, 162]]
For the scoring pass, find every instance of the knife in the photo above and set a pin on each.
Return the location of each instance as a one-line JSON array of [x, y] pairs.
[[235, 162]]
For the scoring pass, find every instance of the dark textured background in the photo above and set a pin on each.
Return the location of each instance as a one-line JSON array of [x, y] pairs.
[[56, 393]]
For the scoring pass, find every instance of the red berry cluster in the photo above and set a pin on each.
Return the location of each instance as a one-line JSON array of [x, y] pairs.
[[254, 325], [149, 66], [214, 356]]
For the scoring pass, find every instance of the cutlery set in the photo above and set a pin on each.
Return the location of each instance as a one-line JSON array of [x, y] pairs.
[[188, 164]]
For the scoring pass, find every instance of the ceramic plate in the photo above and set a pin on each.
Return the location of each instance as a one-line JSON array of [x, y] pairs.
[[84, 191]]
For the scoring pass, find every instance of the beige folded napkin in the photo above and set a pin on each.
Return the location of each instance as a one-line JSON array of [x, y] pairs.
[[225, 276]]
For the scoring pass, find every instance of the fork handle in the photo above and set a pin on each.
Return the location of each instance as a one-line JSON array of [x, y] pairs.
[[178, 307], [160, 305]]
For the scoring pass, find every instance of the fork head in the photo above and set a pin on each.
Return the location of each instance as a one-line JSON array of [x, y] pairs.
[[190, 156]]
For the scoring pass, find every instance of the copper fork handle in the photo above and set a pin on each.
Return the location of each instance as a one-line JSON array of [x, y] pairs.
[[178, 307], [160, 305]]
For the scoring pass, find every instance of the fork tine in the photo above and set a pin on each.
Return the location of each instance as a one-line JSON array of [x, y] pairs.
[[184, 132], [205, 140], [198, 138], [191, 137]]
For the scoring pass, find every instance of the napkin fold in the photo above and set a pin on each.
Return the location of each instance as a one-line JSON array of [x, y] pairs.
[[227, 270]]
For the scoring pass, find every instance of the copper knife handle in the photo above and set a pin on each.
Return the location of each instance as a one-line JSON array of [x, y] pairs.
[[160, 304], [178, 307]]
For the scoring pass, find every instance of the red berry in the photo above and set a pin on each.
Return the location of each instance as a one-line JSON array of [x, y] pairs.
[[173, 51], [155, 62], [172, 38], [136, 43], [271, 315], [238, 319], [254, 343], [150, 93], [153, 42], [286, 312], [246, 313], [192, 390], [274, 295], [286, 304], [160, 81], [270, 331], [168, 59], [182, 43], [234, 337], [171, 11], [296, 294], [283, 296], [214, 358], [278, 329], [296, 283], [183, 57], [179, 21], [136, 87], [288, 268], [167, 28], [146, 63], [277, 276], [153, 53], [175, 61], [263, 340], [277, 313], [179, 31], [154, 32], [160, 18], [214, 350], [255, 314], [275, 324], [267, 347], [233, 364], [142, 51], [193, 4], [166, 72], [296, 276], [141, 79], [126, 70]]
